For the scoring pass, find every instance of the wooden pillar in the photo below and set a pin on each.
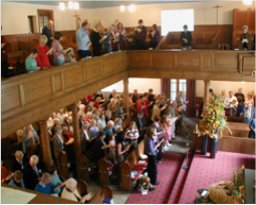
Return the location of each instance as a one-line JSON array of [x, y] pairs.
[[45, 144], [126, 94], [206, 90], [77, 142]]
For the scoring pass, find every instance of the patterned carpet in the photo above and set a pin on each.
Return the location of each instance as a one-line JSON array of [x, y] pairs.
[[205, 171], [168, 170]]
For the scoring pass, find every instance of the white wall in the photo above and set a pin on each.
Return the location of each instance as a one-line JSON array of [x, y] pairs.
[[204, 13], [141, 84], [14, 17], [218, 86]]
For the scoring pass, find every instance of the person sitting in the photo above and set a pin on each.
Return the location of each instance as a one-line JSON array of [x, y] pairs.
[[31, 173], [19, 162], [70, 192], [60, 56], [30, 62], [42, 58], [132, 134], [55, 180], [5, 174], [44, 185], [17, 179], [154, 36], [245, 41], [186, 38]]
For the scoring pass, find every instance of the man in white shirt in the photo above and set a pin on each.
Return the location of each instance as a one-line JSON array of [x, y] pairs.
[[231, 103], [83, 40]]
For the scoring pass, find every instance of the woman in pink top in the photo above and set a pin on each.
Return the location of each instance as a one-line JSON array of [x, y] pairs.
[[167, 129], [43, 52]]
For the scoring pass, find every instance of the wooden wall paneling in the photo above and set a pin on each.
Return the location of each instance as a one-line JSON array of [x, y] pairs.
[[207, 61], [10, 98], [225, 62], [93, 70], [72, 76], [163, 60], [140, 60], [188, 61]]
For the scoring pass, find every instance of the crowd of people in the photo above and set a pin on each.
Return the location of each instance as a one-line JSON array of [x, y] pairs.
[[241, 106], [93, 40], [104, 132]]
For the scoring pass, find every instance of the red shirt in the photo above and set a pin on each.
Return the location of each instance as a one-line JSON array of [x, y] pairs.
[[42, 58]]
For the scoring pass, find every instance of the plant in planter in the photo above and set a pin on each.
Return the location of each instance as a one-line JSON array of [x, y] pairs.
[[212, 124]]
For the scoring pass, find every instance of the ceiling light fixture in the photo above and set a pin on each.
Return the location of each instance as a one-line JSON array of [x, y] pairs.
[[122, 8], [70, 5], [132, 8], [62, 6]]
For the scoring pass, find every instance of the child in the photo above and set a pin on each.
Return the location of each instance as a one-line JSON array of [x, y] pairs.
[[31, 64], [143, 184]]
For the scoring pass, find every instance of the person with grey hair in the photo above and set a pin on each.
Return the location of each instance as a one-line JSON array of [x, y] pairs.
[[31, 173], [245, 41], [19, 162], [57, 145], [44, 185], [70, 192]]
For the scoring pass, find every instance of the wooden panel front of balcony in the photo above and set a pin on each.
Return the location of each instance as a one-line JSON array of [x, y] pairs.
[[31, 97], [194, 64]]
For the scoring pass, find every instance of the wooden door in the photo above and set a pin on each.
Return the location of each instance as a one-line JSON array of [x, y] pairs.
[[43, 17]]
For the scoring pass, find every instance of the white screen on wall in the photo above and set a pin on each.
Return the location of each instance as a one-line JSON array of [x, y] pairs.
[[174, 20]]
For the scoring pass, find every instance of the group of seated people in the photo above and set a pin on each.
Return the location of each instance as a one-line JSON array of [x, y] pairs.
[[26, 173], [104, 130], [241, 106]]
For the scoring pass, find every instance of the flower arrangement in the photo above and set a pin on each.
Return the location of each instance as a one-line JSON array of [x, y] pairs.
[[213, 119]]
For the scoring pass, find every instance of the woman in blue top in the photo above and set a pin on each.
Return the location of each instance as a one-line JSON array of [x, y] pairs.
[[151, 150], [55, 182], [30, 62], [44, 185]]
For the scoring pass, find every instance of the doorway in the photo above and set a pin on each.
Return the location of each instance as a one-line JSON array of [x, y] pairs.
[[43, 17]]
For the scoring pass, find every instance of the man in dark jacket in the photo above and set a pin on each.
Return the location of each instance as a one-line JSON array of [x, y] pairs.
[[31, 173], [186, 38]]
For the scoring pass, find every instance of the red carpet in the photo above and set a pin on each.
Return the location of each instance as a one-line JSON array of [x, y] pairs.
[[167, 173], [205, 171]]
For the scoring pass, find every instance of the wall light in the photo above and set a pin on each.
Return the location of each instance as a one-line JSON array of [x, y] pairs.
[[247, 2], [76, 6], [62, 6], [132, 8], [70, 5], [122, 8]]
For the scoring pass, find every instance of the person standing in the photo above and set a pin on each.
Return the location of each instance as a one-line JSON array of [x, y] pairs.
[[4, 58], [154, 36], [95, 38], [83, 40], [48, 32], [140, 36], [151, 151], [186, 38]]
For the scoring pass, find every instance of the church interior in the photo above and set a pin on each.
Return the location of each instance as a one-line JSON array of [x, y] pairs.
[[128, 102]]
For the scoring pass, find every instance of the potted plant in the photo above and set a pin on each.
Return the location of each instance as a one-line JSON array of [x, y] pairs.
[[212, 124]]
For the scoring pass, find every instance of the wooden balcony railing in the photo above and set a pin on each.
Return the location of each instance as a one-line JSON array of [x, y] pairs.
[[31, 97], [195, 64]]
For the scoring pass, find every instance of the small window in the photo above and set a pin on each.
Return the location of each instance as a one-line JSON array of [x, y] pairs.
[[32, 24], [176, 86]]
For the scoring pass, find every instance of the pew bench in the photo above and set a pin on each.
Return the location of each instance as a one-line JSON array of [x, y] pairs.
[[132, 168]]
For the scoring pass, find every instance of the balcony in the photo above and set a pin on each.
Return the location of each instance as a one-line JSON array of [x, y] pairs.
[[31, 97]]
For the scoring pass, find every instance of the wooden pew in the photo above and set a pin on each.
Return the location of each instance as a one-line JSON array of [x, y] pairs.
[[105, 192], [104, 171], [238, 130], [230, 144], [126, 167]]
